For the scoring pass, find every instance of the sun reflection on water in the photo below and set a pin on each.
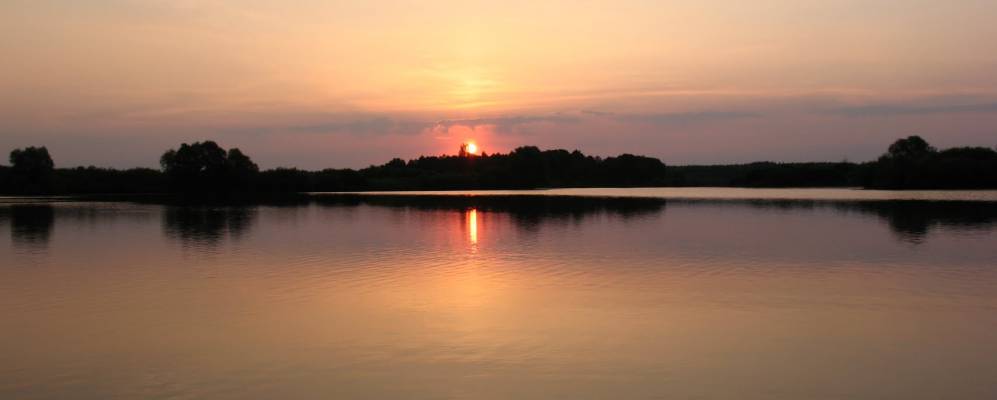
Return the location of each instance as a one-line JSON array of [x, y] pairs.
[[472, 225]]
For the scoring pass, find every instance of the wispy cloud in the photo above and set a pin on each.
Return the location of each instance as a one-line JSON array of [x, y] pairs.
[[368, 125], [511, 121], [881, 110], [681, 117]]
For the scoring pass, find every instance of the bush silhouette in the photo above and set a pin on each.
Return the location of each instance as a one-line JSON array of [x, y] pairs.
[[206, 167], [912, 163], [31, 170]]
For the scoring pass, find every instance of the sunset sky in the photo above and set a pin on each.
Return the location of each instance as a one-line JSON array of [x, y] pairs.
[[318, 84]]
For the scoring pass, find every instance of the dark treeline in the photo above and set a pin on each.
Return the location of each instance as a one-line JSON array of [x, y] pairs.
[[909, 163], [206, 167], [912, 163], [770, 174]]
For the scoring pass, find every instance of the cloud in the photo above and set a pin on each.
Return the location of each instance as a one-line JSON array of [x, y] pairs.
[[581, 116], [881, 110], [377, 124], [681, 117], [362, 126], [511, 121], [350, 124]]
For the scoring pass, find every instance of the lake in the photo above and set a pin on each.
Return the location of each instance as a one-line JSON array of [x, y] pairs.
[[573, 293]]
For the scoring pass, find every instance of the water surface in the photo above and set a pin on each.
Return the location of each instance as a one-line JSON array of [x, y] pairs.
[[497, 297]]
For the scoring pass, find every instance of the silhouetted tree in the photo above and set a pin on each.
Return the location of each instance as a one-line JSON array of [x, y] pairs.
[[31, 170], [206, 167], [631, 170], [912, 163], [241, 169], [910, 149], [240, 162], [31, 160]]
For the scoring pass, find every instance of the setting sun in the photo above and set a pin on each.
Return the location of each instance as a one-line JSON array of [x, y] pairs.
[[314, 167]]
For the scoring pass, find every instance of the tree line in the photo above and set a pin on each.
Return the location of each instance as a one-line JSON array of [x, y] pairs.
[[206, 167]]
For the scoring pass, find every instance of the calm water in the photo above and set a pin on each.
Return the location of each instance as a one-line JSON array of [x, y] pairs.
[[750, 297]]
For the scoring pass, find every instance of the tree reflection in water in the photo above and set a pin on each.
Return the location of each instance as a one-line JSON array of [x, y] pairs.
[[911, 221], [31, 225], [207, 226]]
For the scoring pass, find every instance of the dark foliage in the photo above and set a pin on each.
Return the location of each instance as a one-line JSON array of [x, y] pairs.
[[524, 168], [206, 169], [913, 164], [909, 163], [30, 171], [89, 180]]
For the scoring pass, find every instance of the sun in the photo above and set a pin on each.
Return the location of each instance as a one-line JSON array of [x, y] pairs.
[[472, 148]]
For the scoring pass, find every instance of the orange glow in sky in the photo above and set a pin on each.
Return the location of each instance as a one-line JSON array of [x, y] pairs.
[[347, 84], [472, 148]]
